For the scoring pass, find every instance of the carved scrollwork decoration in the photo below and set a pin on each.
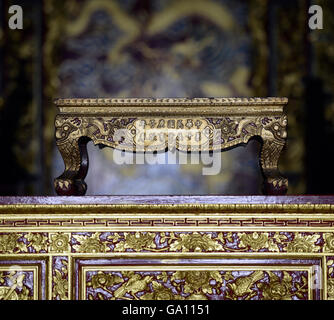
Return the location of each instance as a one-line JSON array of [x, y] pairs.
[[274, 136], [143, 125]]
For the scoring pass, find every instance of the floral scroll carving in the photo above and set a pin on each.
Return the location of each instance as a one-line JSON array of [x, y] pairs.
[[291, 242], [104, 242]]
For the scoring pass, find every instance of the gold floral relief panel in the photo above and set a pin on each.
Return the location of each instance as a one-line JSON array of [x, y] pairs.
[[33, 242], [145, 241], [308, 242], [279, 282], [197, 285], [210, 278], [60, 278]]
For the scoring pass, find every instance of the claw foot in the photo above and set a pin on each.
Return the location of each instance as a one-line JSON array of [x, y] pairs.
[[68, 187], [275, 185]]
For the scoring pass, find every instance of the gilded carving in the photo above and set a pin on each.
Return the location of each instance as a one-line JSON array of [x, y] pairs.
[[60, 289], [38, 241], [197, 282], [329, 242], [13, 286], [168, 101], [31, 242], [215, 232], [60, 281], [59, 242], [196, 285], [104, 242], [330, 278], [104, 280], [90, 243], [281, 288], [136, 241], [143, 134], [142, 125], [242, 286], [160, 292], [254, 240], [8, 242], [302, 243], [330, 289], [195, 242]]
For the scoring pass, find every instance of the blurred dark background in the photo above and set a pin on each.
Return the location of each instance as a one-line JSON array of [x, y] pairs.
[[162, 48]]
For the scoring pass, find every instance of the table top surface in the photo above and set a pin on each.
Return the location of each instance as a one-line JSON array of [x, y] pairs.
[[172, 106]]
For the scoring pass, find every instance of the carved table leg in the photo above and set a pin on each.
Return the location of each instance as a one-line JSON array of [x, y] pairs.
[[274, 182], [73, 149], [75, 157]]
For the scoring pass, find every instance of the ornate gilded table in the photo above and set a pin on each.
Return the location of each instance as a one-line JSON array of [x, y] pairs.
[[167, 247], [143, 125]]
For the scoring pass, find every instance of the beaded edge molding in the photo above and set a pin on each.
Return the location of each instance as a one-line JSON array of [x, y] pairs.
[[169, 101]]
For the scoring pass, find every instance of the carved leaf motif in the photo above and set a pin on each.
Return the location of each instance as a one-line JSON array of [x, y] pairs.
[[38, 241], [272, 246], [9, 242], [114, 237], [60, 286], [195, 242], [90, 243], [163, 277], [120, 246], [329, 242], [303, 243], [254, 240], [137, 242]]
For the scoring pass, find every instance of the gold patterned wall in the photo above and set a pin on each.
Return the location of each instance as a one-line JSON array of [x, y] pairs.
[[127, 252]]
